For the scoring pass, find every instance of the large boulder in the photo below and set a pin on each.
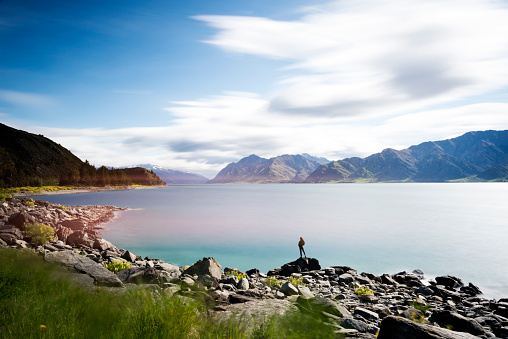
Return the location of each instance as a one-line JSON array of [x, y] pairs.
[[82, 264], [288, 289], [9, 238], [80, 238], [459, 322], [74, 224], [20, 219], [102, 245], [140, 275], [129, 256], [400, 328], [297, 266], [320, 304], [206, 266], [63, 233], [449, 281]]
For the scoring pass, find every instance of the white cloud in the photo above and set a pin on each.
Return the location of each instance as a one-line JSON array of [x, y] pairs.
[[362, 75], [25, 99], [377, 58], [210, 133]]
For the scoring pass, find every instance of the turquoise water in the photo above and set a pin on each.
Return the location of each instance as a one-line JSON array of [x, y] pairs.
[[457, 229]]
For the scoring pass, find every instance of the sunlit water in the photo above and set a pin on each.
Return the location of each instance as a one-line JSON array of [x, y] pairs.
[[457, 229]]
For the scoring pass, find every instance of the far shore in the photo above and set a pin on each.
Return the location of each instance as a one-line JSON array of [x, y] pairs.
[[81, 190]]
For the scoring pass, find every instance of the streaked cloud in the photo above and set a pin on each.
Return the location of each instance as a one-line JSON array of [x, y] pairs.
[[376, 58], [203, 142], [26, 99]]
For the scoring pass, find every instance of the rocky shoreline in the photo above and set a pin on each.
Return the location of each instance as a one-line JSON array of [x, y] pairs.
[[357, 305]]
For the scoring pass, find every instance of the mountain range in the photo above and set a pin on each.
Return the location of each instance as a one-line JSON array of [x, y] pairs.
[[474, 156], [175, 177], [30, 159], [283, 168]]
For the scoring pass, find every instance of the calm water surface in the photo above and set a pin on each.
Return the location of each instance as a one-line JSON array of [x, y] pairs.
[[457, 229]]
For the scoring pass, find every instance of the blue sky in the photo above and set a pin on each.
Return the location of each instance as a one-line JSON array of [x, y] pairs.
[[194, 85]]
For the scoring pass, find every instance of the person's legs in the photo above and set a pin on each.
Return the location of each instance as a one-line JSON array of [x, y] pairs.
[[301, 249]]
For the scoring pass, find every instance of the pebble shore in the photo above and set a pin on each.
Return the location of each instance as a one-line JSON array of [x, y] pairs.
[[357, 305]]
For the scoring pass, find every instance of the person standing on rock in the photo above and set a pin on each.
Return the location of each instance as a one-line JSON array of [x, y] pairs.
[[300, 245]]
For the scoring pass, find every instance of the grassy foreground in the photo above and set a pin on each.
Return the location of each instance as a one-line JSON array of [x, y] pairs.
[[35, 303]]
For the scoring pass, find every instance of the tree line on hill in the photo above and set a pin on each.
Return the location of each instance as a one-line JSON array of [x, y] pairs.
[[28, 159]]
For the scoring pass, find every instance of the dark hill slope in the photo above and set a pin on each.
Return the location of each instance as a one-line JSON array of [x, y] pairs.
[[142, 176], [472, 156], [29, 159], [254, 169]]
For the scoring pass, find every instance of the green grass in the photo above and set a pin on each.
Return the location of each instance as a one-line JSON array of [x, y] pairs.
[[36, 303]]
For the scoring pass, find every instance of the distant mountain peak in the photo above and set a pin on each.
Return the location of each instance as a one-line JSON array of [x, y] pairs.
[[473, 156], [176, 177], [254, 169]]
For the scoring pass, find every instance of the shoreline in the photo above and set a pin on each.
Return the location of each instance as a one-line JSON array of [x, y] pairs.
[[77, 229], [23, 194]]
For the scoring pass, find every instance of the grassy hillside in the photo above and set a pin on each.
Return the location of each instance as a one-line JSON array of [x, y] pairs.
[[38, 300]]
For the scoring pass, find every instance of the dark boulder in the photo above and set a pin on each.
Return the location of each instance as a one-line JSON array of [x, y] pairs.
[[63, 233], [388, 280], [129, 256], [297, 266], [81, 264], [459, 322], [20, 219], [74, 224], [140, 275], [14, 231], [9, 238], [449, 281], [80, 238], [401, 328], [471, 290], [356, 324], [102, 245], [206, 266]]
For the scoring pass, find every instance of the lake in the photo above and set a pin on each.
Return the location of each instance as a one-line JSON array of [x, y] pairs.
[[459, 229]]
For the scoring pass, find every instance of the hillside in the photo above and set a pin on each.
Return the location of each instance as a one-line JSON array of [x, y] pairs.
[[175, 177], [474, 156], [254, 169], [142, 176], [28, 159]]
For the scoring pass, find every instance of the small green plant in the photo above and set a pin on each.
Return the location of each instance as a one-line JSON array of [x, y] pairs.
[[30, 203], [296, 281], [450, 327], [272, 282], [363, 290], [63, 207], [40, 233], [417, 318], [116, 265], [237, 274], [4, 196], [421, 306]]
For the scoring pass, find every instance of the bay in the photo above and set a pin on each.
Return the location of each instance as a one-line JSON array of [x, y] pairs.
[[459, 229]]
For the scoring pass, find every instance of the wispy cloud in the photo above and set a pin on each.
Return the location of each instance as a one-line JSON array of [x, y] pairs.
[[26, 99], [377, 58], [209, 133]]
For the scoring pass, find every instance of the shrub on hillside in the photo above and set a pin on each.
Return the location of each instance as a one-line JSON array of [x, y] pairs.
[[116, 265], [39, 233]]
